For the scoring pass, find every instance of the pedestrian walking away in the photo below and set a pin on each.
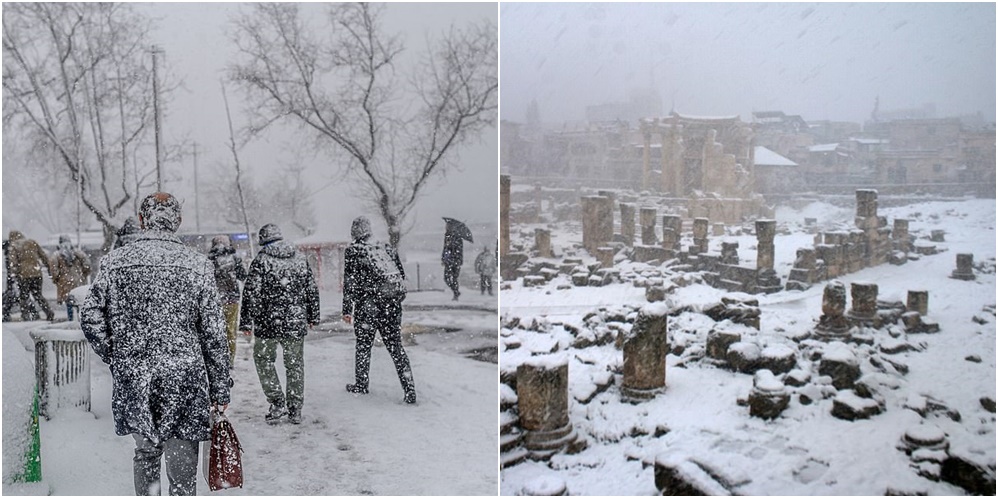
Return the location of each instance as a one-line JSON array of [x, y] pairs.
[[280, 304], [229, 271], [128, 232], [153, 316], [452, 258], [485, 266], [26, 260], [70, 269], [373, 291]]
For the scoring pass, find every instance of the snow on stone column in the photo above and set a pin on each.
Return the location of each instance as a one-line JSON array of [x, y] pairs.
[[833, 323], [766, 279], [672, 230], [864, 301], [542, 391], [700, 227], [645, 347]]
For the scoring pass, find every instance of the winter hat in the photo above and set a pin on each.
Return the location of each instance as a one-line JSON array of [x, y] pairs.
[[220, 241], [15, 235], [361, 228], [270, 233], [160, 211]]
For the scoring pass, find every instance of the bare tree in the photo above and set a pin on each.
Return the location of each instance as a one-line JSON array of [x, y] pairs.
[[75, 75], [392, 134]]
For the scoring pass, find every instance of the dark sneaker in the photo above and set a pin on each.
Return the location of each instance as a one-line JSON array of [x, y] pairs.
[[275, 413], [354, 388], [294, 416], [410, 397]]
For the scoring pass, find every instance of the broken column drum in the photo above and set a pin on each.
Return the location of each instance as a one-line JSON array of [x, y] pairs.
[[700, 228], [648, 215], [674, 224], [769, 397], [833, 323], [864, 301], [627, 223], [542, 393], [766, 278], [597, 221], [964, 267], [729, 253], [918, 300], [542, 238], [645, 347]]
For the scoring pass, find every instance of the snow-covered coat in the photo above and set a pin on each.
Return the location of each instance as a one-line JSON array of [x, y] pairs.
[[154, 317], [70, 269], [453, 253], [229, 271], [26, 256], [360, 276], [485, 263], [280, 298]]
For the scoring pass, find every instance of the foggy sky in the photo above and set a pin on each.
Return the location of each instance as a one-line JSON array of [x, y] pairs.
[[822, 61], [193, 36]]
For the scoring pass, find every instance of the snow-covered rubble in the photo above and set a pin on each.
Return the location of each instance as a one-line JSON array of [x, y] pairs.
[[890, 407]]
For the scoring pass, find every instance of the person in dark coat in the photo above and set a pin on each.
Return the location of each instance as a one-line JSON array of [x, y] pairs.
[[70, 269], [452, 259], [153, 316], [127, 233], [280, 305], [371, 310], [229, 271], [485, 266], [27, 259]]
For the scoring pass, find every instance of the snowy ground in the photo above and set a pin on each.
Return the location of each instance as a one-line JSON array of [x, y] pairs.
[[346, 444], [806, 451]]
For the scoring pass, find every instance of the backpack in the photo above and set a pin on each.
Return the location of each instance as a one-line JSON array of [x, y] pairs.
[[386, 278]]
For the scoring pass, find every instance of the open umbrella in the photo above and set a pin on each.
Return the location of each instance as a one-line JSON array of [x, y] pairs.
[[457, 228]]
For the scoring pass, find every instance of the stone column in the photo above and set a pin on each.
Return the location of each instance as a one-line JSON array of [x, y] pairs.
[[918, 300], [542, 393], [769, 397], [833, 324], [597, 221], [645, 347], [700, 228], [765, 232], [648, 215], [674, 226], [900, 235], [539, 199], [503, 215], [864, 301], [964, 267], [866, 203], [604, 220], [542, 238], [627, 223]]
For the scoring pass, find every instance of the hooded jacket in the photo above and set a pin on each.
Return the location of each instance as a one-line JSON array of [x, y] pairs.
[[229, 271], [153, 316], [280, 297], [360, 275], [70, 268], [26, 256]]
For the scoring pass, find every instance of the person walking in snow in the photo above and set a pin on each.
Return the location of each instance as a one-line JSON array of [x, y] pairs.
[[10, 292], [70, 269], [153, 316], [373, 291], [27, 259], [280, 305], [229, 271], [485, 266], [452, 259], [127, 233]]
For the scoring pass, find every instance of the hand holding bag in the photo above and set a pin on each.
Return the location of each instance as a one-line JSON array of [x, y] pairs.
[[223, 460]]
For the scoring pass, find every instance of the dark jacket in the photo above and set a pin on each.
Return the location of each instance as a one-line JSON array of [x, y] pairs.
[[453, 253], [359, 275], [229, 270], [280, 298], [153, 316]]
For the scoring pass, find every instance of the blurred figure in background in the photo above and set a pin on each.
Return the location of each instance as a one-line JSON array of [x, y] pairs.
[[229, 271], [70, 269], [485, 266], [26, 260]]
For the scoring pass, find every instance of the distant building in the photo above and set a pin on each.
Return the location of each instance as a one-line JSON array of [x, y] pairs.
[[775, 174]]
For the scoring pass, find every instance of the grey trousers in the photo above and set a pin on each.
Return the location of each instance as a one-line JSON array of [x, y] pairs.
[[181, 466]]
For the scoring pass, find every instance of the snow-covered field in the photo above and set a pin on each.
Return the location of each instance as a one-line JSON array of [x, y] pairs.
[[805, 451], [346, 444]]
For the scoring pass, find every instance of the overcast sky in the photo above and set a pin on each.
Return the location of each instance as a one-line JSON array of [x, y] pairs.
[[822, 61], [197, 49]]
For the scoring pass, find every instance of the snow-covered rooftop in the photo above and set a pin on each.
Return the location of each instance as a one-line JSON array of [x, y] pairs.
[[766, 157]]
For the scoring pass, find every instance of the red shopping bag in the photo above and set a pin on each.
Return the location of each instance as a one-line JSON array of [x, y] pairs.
[[223, 462]]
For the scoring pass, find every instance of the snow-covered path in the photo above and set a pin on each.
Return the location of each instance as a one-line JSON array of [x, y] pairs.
[[346, 444]]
